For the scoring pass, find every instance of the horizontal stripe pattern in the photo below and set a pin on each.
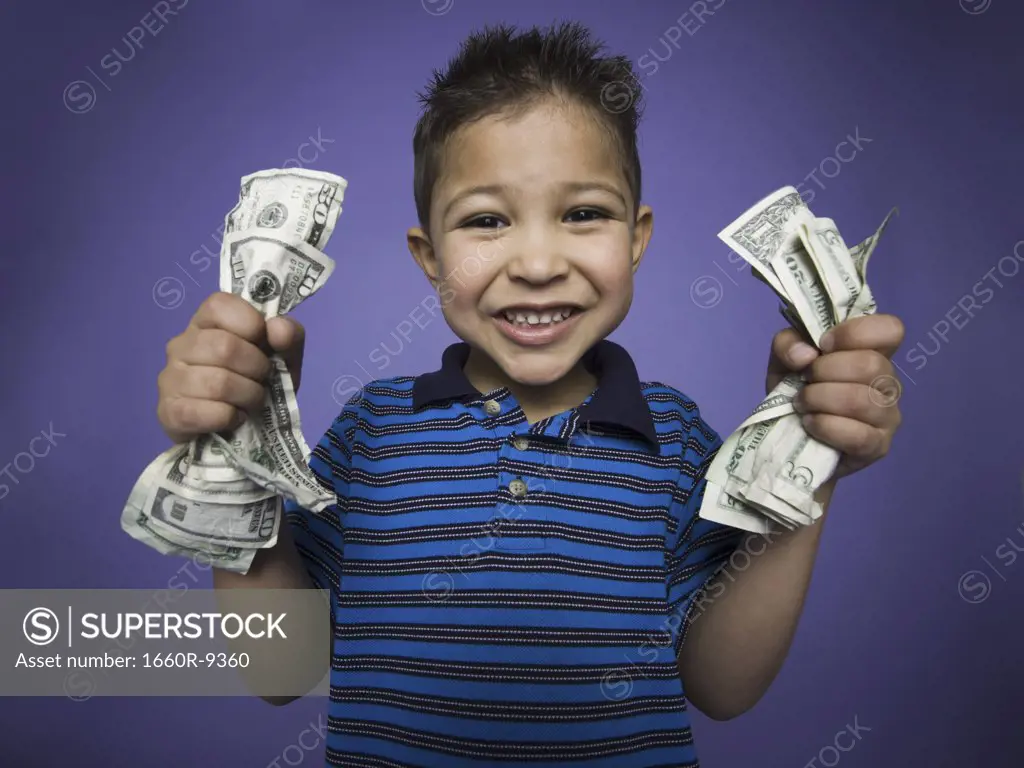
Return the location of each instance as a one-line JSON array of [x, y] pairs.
[[474, 625]]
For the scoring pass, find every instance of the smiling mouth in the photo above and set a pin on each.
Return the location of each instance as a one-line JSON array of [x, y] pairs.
[[529, 317]]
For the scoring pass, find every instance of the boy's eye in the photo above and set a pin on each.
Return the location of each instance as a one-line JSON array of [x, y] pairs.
[[484, 222], [583, 215]]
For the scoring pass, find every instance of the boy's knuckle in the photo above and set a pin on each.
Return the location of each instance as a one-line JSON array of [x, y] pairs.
[[879, 365], [899, 330], [252, 325], [263, 366], [219, 304], [256, 397], [229, 345], [245, 392], [182, 414], [865, 366], [866, 441], [220, 345], [848, 399], [867, 409], [217, 384], [161, 413], [165, 382], [221, 417]]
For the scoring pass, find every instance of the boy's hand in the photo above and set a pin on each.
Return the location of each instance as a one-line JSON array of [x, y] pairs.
[[851, 399], [215, 369]]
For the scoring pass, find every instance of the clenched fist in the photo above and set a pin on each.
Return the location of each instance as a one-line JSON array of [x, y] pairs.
[[217, 367], [851, 399]]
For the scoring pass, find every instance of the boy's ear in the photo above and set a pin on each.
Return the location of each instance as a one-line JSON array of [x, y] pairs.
[[642, 231], [423, 252]]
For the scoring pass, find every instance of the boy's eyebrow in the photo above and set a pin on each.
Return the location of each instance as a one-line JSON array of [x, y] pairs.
[[587, 186], [499, 189], [480, 189]]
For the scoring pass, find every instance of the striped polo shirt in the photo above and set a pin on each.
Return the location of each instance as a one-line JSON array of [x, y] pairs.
[[506, 593]]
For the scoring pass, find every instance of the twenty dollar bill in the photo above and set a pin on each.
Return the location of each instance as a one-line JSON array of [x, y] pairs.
[[766, 473], [221, 496]]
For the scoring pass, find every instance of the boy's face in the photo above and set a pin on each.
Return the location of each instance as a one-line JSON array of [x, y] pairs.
[[533, 245]]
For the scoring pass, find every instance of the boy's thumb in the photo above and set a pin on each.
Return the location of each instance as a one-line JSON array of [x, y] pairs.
[[287, 337]]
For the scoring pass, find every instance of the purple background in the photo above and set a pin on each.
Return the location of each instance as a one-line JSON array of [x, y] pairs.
[[105, 203]]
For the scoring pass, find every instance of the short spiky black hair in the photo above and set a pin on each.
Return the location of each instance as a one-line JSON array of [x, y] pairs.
[[501, 71]]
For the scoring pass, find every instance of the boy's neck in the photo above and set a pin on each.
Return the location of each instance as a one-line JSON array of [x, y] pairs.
[[537, 402]]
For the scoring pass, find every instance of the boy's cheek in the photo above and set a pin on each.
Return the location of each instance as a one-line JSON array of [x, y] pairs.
[[619, 300], [458, 293], [446, 294], [423, 312], [457, 309]]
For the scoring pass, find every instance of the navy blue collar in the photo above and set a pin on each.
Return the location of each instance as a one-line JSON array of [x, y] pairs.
[[618, 400]]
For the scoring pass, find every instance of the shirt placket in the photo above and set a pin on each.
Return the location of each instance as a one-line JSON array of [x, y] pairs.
[[515, 518]]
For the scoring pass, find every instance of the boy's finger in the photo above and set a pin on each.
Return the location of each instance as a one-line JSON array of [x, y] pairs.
[[849, 436], [790, 352], [287, 337], [227, 312], [883, 333], [853, 401], [221, 349], [221, 385], [865, 366], [196, 417]]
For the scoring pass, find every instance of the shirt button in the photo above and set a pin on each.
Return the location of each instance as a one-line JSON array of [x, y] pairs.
[[492, 407], [521, 443], [517, 488]]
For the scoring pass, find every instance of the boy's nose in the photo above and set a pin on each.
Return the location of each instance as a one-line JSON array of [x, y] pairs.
[[537, 262]]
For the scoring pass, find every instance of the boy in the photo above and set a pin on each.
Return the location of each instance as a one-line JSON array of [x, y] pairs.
[[515, 558]]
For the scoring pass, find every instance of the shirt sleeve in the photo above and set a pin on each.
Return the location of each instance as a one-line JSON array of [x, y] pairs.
[[318, 537], [696, 548]]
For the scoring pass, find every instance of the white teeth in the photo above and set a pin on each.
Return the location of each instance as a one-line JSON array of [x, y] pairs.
[[544, 318]]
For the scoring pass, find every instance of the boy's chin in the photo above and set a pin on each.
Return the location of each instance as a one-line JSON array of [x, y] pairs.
[[538, 373]]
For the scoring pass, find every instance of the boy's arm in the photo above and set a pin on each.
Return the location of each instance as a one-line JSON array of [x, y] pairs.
[[306, 556], [736, 645], [738, 639], [308, 647], [279, 567]]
